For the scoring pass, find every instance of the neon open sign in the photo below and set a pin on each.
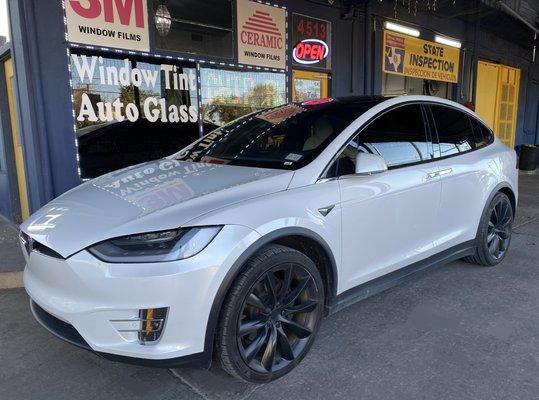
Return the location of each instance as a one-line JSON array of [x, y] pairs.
[[310, 51]]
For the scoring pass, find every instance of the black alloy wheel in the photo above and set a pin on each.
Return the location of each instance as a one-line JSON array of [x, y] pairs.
[[271, 315], [499, 228], [278, 317], [494, 233]]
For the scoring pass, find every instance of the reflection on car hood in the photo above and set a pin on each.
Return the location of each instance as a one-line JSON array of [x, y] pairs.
[[158, 195]]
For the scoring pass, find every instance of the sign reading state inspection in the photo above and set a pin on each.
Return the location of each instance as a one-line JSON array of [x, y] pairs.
[[261, 34], [409, 56], [108, 23]]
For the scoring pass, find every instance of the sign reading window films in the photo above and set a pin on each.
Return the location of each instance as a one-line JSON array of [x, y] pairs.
[[108, 23], [261, 34], [409, 56], [311, 38], [129, 111]]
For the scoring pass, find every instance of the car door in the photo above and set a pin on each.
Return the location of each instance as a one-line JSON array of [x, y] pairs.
[[462, 174], [388, 218]]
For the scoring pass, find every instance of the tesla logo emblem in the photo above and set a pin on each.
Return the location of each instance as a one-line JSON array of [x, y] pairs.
[[310, 51]]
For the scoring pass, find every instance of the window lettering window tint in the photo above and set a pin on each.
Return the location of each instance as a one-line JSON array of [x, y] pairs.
[[398, 136], [454, 129], [483, 135]]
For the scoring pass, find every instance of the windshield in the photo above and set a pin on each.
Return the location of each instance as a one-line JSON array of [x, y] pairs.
[[285, 137]]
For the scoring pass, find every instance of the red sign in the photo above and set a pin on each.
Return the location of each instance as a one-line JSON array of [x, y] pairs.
[[311, 38], [93, 9], [120, 24], [310, 51]]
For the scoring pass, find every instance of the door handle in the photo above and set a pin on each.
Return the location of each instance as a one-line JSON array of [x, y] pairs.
[[432, 175], [446, 171]]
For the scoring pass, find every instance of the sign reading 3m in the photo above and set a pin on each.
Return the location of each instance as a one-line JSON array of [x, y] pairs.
[[109, 23], [409, 56]]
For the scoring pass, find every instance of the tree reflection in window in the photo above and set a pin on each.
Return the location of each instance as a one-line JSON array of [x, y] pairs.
[[227, 95]]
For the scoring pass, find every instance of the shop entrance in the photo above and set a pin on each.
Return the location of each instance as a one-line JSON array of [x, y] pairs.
[[398, 85], [496, 98], [307, 85], [17, 145]]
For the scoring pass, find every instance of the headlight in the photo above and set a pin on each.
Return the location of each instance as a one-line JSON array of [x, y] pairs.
[[161, 246]]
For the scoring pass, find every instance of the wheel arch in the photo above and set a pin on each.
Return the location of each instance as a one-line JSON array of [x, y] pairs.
[[301, 239], [505, 188]]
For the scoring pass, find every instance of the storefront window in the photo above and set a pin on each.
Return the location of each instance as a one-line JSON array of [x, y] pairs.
[[195, 27], [128, 111], [4, 26], [227, 95]]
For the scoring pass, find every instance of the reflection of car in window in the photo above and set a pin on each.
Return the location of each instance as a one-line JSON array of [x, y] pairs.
[[114, 145]]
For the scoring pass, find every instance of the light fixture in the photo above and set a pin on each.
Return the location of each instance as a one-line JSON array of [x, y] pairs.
[[163, 20], [401, 28], [447, 41]]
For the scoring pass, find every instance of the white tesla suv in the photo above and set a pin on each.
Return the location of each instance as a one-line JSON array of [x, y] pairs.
[[238, 245]]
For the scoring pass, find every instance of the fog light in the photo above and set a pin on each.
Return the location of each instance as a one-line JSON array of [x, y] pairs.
[[152, 324], [148, 327]]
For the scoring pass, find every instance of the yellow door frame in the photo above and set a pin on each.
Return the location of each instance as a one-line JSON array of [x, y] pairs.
[[496, 98], [17, 145], [313, 76]]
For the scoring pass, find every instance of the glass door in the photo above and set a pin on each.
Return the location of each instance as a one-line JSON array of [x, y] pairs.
[[307, 85]]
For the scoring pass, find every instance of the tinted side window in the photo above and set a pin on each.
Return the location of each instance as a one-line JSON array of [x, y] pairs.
[[398, 136], [483, 135], [454, 129]]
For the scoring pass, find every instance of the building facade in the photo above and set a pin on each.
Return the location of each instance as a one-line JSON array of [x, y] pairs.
[[87, 87]]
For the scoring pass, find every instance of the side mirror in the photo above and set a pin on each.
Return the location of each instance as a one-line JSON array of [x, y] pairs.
[[367, 164]]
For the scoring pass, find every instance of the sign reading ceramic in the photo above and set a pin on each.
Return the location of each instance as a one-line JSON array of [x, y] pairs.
[[311, 38], [109, 23], [409, 56], [261, 34]]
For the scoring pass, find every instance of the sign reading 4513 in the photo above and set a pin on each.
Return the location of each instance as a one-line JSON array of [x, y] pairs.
[[312, 40], [108, 23]]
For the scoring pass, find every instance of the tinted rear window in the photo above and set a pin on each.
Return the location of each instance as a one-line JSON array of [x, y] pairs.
[[483, 135], [455, 133]]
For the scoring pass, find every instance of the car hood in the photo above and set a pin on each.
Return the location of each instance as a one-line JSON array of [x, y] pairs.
[[153, 196]]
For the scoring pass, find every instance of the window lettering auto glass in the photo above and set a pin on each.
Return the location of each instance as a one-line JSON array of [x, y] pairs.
[[159, 121]]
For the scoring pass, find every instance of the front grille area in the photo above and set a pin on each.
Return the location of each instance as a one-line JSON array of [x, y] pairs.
[[57, 327]]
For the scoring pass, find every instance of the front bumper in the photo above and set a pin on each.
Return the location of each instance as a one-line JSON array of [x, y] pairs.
[[80, 298]]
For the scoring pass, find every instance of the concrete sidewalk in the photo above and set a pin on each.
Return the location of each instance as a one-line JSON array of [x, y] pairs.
[[456, 332], [11, 259]]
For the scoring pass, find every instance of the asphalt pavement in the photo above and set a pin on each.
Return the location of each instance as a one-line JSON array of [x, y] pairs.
[[458, 331]]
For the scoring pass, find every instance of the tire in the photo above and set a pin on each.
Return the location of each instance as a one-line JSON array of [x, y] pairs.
[[494, 233], [255, 326]]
